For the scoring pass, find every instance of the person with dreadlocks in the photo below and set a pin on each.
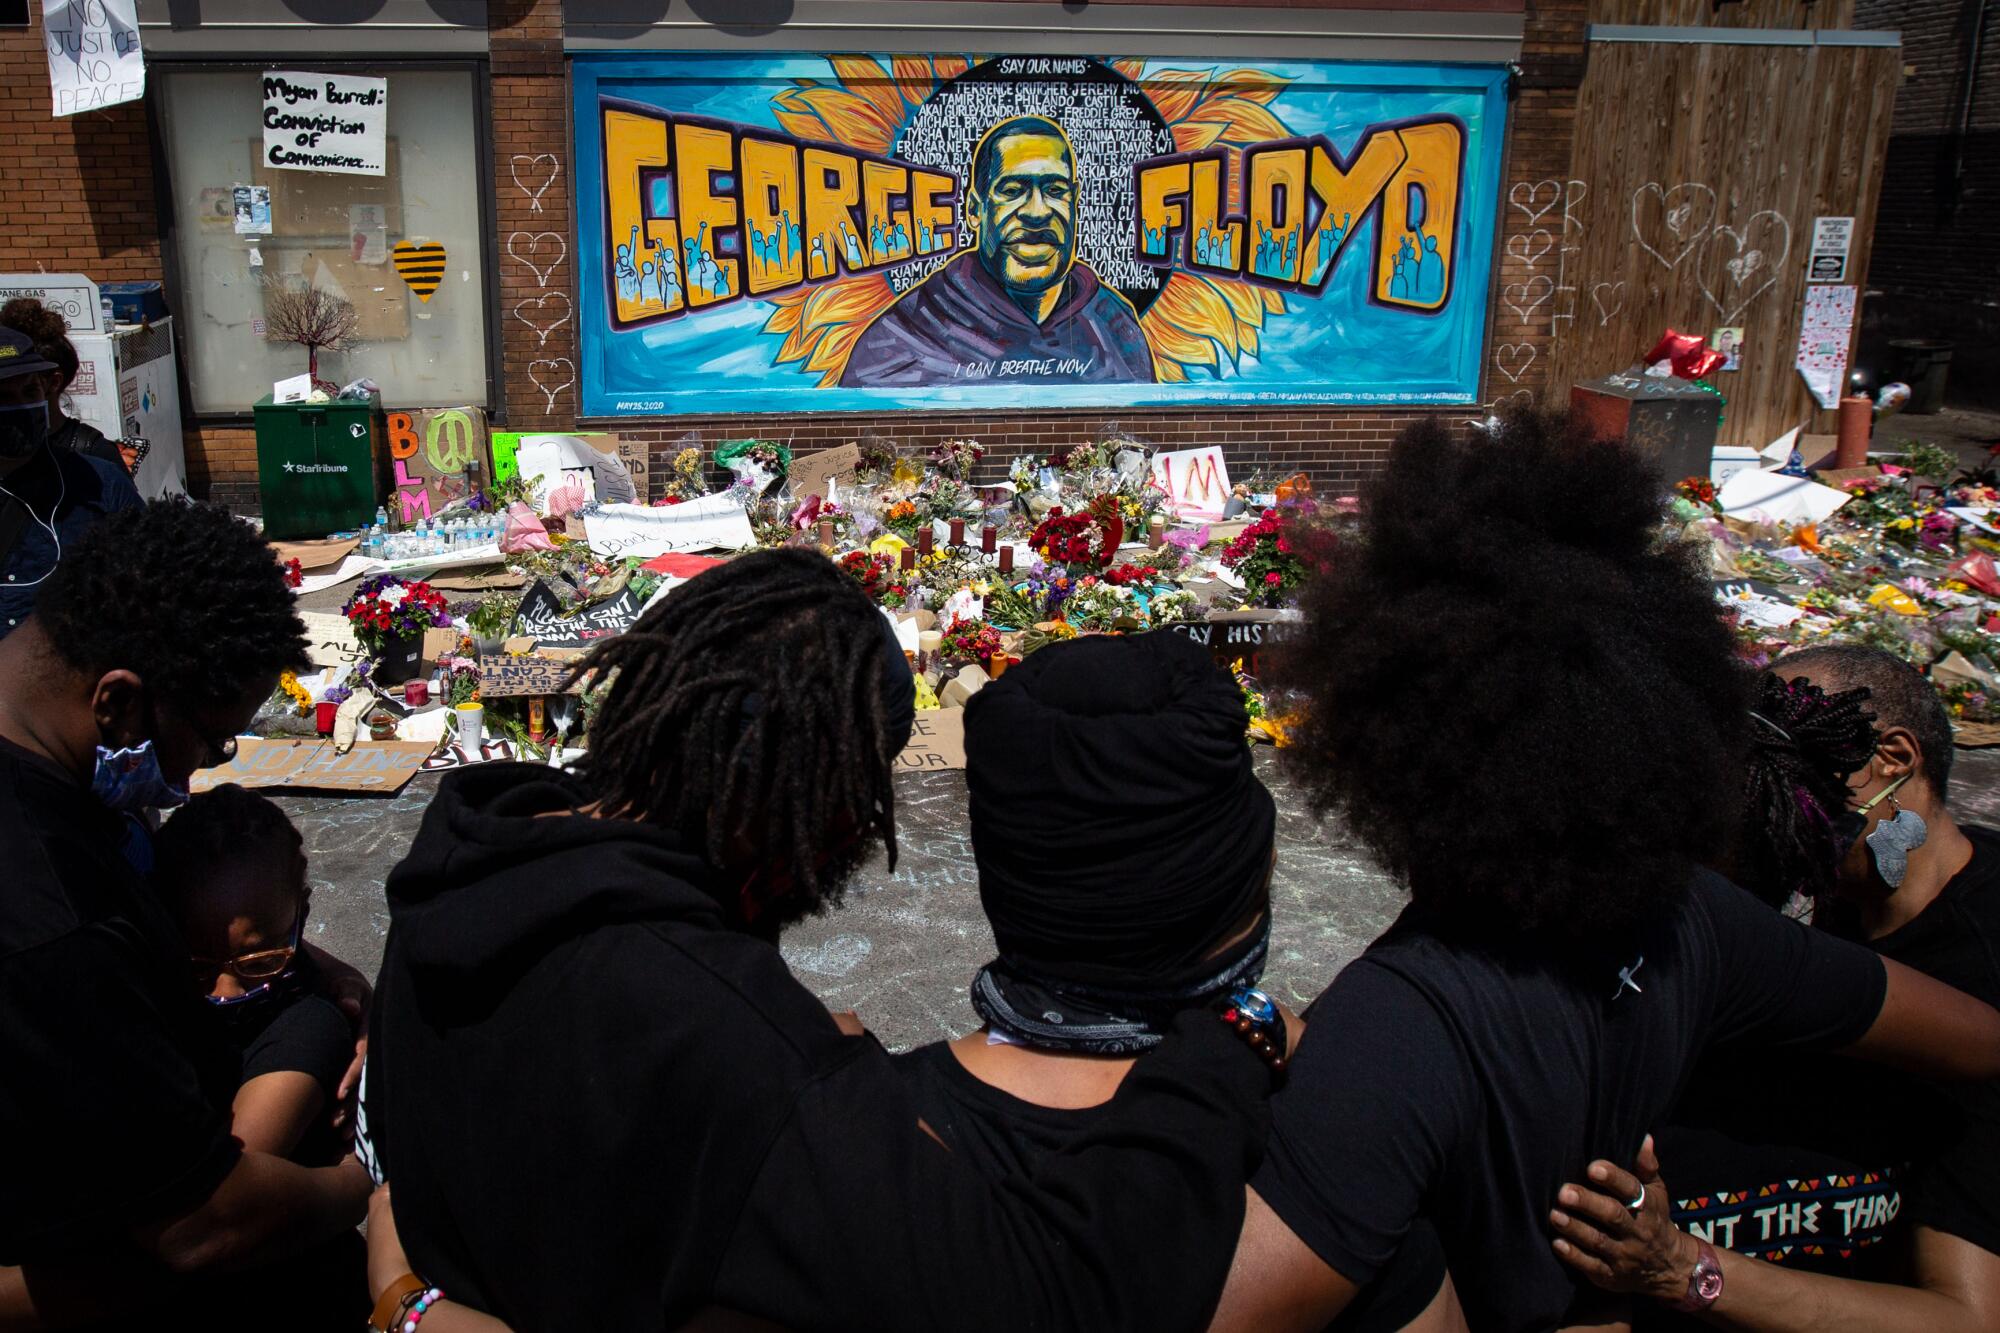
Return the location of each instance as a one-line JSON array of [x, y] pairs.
[[602, 1101], [1531, 714], [128, 1199], [1837, 1196]]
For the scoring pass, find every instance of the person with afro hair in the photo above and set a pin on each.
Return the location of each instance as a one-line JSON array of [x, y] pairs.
[[1519, 695], [129, 1200]]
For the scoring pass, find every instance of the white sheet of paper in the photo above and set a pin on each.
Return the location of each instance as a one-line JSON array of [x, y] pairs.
[[906, 632], [1780, 498], [549, 460], [1979, 519], [294, 390], [95, 59], [353, 567], [708, 523], [1779, 451], [1196, 482]]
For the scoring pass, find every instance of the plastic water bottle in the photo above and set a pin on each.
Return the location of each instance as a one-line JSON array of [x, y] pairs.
[[371, 547], [381, 518]]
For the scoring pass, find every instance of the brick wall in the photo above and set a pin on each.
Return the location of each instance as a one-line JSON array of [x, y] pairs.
[[1936, 266], [78, 190]]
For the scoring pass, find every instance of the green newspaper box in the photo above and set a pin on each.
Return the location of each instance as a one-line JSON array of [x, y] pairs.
[[317, 465]]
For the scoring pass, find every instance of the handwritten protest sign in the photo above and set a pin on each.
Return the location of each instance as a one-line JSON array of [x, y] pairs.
[[544, 618], [431, 450], [330, 640], [710, 523], [1232, 636], [937, 742], [1196, 482], [325, 122], [510, 677], [380, 769], [94, 55], [810, 474]]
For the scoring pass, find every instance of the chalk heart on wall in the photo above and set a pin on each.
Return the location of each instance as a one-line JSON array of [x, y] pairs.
[[527, 247], [1523, 298], [1609, 298], [548, 303], [1669, 224], [551, 374], [1513, 359], [539, 174], [1507, 401], [1527, 196], [1740, 263], [1531, 248]]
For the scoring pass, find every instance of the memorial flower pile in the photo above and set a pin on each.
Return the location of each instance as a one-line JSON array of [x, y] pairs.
[[1089, 540]]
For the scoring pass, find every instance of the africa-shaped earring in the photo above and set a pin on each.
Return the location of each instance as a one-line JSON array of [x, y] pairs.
[[1892, 842]]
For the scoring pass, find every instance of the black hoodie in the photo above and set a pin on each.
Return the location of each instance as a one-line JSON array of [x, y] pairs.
[[599, 1108]]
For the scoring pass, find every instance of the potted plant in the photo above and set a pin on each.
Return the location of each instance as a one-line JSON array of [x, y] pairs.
[[1262, 556], [491, 621], [389, 616]]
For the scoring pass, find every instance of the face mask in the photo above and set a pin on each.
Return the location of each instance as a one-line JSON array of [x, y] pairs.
[[24, 428], [130, 781], [1892, 841]]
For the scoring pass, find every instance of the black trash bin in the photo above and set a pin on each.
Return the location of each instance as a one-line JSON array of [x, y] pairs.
[[1921, 363]]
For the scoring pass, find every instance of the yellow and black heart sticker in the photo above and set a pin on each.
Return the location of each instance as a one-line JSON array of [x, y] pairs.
[[422, 266]]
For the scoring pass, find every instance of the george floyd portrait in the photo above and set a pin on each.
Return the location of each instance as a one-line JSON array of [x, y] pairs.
[[1019, 305]]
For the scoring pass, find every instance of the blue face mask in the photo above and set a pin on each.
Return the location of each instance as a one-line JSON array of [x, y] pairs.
[[130, 781]]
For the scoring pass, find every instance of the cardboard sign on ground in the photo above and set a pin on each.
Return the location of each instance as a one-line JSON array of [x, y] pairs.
[[321, 555], [330, 639], [511, 677], [543, 618], [810, 474], [937, 742], [374, 769]]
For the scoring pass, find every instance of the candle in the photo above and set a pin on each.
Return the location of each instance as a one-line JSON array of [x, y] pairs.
[[1156, 531], [416, 693], [988, 537], [958, 532], [826, 533], [930, 643], [997, 665], [909, 558], [925, 539], [1007, 559]]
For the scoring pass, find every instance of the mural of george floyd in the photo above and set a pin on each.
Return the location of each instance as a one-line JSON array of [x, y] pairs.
[[793, 232]]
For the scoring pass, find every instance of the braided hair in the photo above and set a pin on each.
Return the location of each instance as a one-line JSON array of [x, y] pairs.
[[1804, 743], [746, 711]]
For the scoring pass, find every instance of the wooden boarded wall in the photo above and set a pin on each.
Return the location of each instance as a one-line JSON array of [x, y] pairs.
[[1697, 172]]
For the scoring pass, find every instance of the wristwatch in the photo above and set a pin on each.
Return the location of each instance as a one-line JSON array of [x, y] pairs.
[[1704, 1283]]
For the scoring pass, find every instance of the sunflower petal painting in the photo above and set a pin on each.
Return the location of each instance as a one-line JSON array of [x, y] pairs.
[[794, 232]]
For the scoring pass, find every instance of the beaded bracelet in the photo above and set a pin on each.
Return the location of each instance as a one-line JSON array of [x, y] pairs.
[[420, 1307], [1255, 1017]]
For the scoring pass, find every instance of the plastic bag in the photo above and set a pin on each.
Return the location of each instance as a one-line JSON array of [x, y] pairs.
[[524, 531]]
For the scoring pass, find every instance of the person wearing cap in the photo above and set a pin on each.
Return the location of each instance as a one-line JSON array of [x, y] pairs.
[[49, 496], [50, 332]]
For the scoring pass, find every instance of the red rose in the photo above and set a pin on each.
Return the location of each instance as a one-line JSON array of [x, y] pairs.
[[1274, 577]]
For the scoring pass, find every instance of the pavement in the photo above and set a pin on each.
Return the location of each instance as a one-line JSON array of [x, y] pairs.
[[905, 945]]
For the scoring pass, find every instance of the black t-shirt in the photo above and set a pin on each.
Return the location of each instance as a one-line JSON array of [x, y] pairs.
[[117, 1083], [1003, 1136], [303, 1032], [1452, 1080], [1815, 1163]]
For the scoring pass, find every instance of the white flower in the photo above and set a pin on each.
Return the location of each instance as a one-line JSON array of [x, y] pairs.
[[392, 597]]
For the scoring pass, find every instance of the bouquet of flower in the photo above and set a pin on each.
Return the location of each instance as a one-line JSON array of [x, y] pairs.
[[685, 480], [1129, 575], [873, 572], [1263, 558], [971, 640], [296, 696], [956, 458], [1089, 539], [1176, 604], [295, 574], [1049, 589], [1101, 606], [386, 607], [1697, 491]]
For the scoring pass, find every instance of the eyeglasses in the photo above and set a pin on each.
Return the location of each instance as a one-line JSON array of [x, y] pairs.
[[258, 964]]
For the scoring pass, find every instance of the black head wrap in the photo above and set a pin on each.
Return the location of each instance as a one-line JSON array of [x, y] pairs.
[[1119, 827]]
